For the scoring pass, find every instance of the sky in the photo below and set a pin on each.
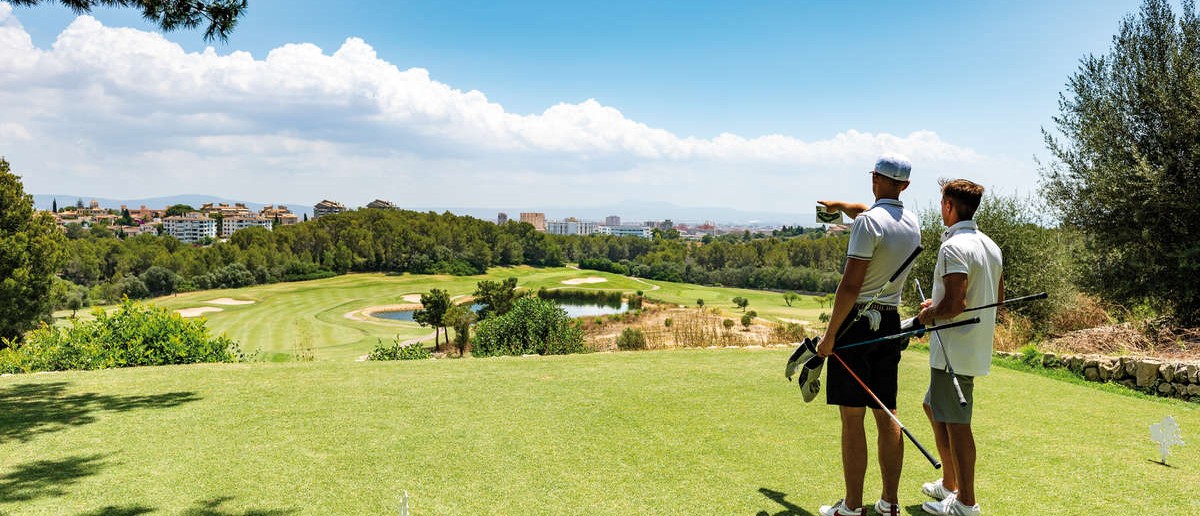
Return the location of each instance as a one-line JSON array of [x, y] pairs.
[[766, 106]]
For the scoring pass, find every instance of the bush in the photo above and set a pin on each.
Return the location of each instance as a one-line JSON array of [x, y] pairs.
[[133, 288], [631, 339], [134, 335], [788, 332], [160, 281], [398, 351], [534, 325]]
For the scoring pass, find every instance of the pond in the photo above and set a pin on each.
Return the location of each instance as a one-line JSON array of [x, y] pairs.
[[573, 309]]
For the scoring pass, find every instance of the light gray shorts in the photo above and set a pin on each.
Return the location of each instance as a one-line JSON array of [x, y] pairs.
[[943, 400]]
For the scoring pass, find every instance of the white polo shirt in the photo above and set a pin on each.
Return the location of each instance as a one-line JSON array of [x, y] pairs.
[[886, 235], [967, 250]]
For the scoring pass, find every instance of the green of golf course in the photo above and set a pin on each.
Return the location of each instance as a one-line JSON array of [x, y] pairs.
[[710, 431]]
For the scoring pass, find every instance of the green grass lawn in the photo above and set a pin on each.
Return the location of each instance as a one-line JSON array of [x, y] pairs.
[[288, 317], [665, 432]]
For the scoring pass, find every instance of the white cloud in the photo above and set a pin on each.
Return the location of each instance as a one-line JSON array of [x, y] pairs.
[[150, 118]]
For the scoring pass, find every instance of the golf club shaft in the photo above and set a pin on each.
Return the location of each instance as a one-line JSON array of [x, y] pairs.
[[1031, 297], [895, 275], [917, 332], [936, 464], [962, 400]]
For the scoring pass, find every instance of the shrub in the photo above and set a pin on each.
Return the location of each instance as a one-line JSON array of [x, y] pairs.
[[668, 322], [398, 351], [788, 332], [134, 335], [534, 325], [631, 339], [747, 320], [728, 324], [160, 281]]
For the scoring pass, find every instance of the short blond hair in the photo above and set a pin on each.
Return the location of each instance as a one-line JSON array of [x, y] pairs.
[[964, 195]]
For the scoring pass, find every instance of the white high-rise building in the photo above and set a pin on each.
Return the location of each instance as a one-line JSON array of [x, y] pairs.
[[570, 227], [191, 227], [232, 224]]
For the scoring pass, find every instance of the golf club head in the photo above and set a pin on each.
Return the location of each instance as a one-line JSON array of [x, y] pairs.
[[798, 358], [911, 324]]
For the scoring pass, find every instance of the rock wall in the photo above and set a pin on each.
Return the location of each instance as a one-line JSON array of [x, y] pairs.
[[1161, 377]]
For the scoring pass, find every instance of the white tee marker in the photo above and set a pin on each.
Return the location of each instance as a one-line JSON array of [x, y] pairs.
[[1166, 434]]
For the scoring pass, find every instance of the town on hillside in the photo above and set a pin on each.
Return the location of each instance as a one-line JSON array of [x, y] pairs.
[[212, 222]]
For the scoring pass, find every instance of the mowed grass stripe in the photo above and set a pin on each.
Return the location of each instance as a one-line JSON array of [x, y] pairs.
[[669, 432]]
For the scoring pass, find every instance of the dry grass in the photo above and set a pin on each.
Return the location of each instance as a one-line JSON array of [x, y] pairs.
[[1082, 313], [689, 328], [1141, 339]]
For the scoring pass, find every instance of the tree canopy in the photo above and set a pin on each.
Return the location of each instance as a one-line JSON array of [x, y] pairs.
[[1126, 167], [30, 253], [218, 16]]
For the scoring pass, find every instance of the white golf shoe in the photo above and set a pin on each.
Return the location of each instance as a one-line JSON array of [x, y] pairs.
[[840, 509], [936, 490], [886, 508]]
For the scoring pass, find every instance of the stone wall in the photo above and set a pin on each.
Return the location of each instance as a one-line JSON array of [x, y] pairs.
[[1161, 377]]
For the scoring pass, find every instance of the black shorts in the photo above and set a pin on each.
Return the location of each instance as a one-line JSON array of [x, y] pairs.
[[876, 364]]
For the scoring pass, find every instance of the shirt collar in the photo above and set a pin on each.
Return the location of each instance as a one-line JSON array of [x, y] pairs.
[[888, 202], [959, 226]]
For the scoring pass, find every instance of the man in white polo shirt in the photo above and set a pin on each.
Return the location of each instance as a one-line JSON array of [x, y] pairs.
[[968, 273], [881, 238]]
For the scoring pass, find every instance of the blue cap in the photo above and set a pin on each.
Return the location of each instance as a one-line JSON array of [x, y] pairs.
[[894, 166]]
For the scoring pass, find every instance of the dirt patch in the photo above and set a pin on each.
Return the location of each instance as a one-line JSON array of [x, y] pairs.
[[413, 298], [229, 301], [198, 311], [581, 281]]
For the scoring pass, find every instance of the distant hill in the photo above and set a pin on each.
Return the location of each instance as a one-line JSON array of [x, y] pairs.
[[45, 201], [631, 212]]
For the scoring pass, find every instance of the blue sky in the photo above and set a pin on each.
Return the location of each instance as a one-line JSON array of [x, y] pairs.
[[982, 77]]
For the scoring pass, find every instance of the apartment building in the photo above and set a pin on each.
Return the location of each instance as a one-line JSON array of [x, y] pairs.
[[538, 220], [327, 207], [231, 224], [637, 231], [190, 227], [279, 215], [570, 226]]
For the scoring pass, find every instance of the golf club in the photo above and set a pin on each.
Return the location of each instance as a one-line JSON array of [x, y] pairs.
[[1031, 297], [903, 267], [936, 464], [910, 333], [912, 322], [962, 400]]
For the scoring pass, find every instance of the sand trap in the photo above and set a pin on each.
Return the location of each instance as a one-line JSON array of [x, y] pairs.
[[580, 281], [413, 298], [229, 301], [197, 312]]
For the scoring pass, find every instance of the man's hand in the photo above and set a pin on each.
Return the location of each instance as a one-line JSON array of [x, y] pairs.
[[851, 209], [825, 347], [926, 314]]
